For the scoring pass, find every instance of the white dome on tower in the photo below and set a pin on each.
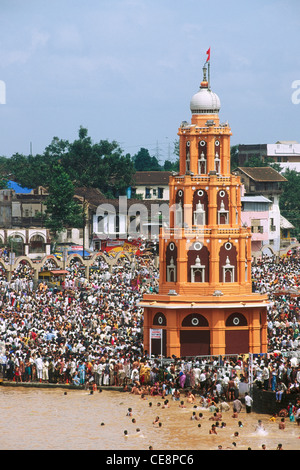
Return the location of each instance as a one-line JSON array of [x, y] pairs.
[[205, 101]]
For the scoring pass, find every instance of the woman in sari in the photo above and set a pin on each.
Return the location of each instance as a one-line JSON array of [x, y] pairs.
[[182, 378]]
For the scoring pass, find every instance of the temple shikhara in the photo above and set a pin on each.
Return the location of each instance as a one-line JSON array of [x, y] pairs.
[[205, 304]]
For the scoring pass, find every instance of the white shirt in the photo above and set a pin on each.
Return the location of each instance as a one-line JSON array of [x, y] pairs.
[[248, 400]]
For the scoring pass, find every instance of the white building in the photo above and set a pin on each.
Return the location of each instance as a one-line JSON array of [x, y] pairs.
[[265, 181], [284, 152], [152, 185]]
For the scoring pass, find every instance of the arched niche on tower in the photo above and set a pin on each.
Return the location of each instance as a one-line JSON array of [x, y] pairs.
[[159, 319], [222, 207], [200, 207], [236, 319], [195, 320], [217, 157], [202, 157], [228, 263], [198, 263], [187, 156], [246, 260], [179, 202], [171, 262]]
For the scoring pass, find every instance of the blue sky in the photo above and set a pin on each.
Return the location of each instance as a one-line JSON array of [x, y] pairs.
[[127, 69]]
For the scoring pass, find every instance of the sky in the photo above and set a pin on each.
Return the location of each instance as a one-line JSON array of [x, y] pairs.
[[127, 69]]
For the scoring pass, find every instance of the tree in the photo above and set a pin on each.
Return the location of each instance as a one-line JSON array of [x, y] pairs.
[[62, 209], [144, 162], [99, 165], [234, 157], [290, 199], [171, 166], [257, 161], [4, 173]]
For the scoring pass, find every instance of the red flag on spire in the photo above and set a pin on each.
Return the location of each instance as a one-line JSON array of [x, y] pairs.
[[208, 55]]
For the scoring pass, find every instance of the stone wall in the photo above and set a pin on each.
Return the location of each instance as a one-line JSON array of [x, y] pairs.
[[264, 402]]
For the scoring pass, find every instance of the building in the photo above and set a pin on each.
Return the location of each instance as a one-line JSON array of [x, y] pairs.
[[286, 227], [123, 218], [21, 221], [266, 182], [256, 211], [151, 185], [205, 304], [256, 214], [282, 152], [249, 151]]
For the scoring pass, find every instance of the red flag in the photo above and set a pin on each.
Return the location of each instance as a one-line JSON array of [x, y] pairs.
[[208, 55]]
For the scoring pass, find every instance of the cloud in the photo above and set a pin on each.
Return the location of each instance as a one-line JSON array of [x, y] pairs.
[[31, 43]]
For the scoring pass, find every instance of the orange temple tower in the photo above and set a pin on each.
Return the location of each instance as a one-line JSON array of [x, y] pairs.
[[205, 304]]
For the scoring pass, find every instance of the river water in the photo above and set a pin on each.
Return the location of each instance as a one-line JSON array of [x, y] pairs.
[[44, 419]]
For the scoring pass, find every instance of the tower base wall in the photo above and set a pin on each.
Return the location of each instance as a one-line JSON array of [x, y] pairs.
[[212, 327]]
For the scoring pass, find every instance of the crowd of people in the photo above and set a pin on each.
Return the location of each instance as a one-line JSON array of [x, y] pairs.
[[91, 332], [70, 335]]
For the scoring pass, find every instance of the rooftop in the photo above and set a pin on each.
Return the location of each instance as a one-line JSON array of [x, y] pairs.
[[152, 177], [262, 174], [255, 199]]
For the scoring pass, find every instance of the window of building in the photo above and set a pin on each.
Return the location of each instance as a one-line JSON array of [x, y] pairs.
[[272, 225], [257, 229], [147, 193], [160, 193], [37, 244]]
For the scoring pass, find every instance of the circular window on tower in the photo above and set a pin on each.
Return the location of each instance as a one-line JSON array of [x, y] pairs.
[[180, 192], [200, 192], [188, 143], [228, 246], [222, 193], [172, 246], [236, 319], [217, 143], [159, 319], [195, 319], [202, 143], [197, 246]]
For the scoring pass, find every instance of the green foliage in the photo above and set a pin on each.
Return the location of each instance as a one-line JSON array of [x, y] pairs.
[[171, 166], [100, 165], [62, 210], [290, 199], [234, 157], [144, 162], [256, 161], [3, 173]]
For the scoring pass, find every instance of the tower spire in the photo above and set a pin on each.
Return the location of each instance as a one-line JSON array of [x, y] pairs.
[[208, 66]]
